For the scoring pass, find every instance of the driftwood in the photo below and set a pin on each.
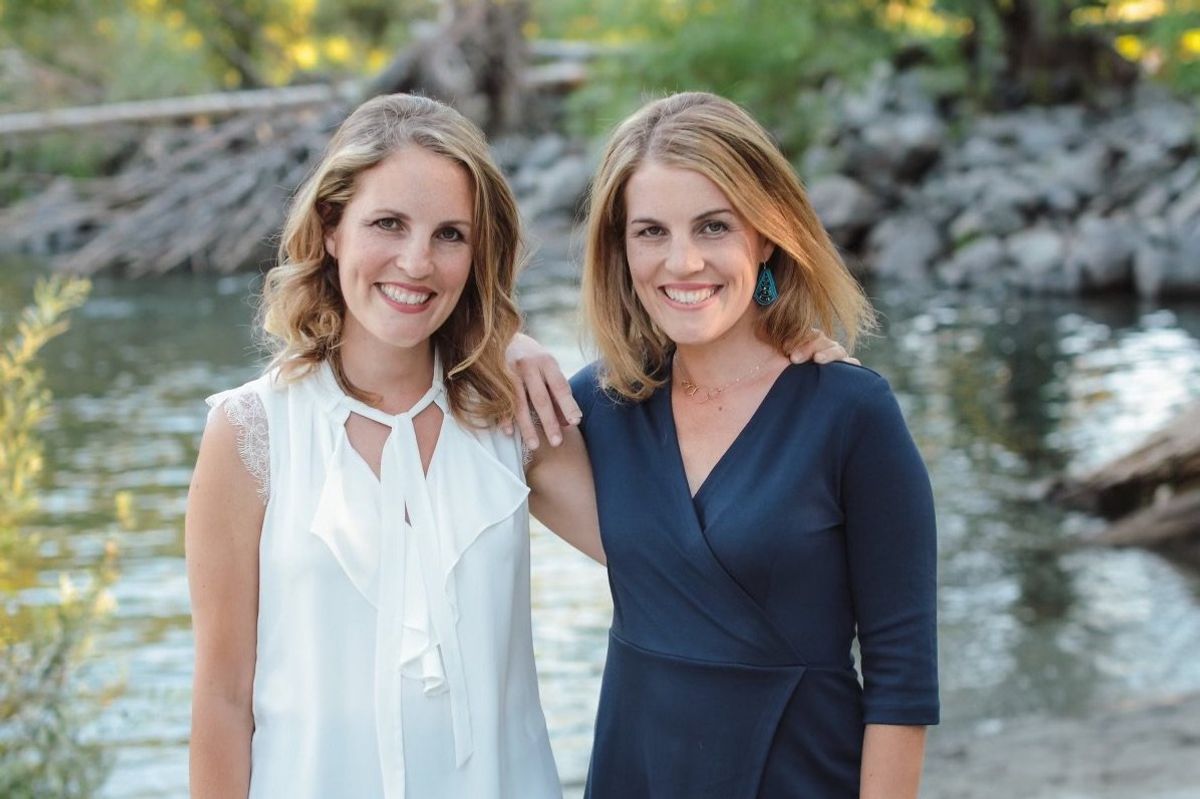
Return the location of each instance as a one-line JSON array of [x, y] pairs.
[[1169, 457], [221, 104], [210, 194], [1153, 493], [1171, 525]]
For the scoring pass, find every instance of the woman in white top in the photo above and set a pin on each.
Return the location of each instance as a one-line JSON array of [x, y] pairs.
[[357, 525]]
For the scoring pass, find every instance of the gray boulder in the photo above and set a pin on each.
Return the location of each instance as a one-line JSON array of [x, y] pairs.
[[1186, 208], [980, 262], [846, 208], [986, 219], [560, 188], [1083, 170], [1144, 164], [904, 247], [902, 147], [1101, 253], [1041, 265], [1168, 268]]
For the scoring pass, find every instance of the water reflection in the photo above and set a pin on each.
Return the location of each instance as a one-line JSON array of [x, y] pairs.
[[999, 397]]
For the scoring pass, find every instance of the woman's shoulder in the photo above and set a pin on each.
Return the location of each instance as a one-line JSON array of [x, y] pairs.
[[245, 424], [587, 386], [255, 389], [845, 384]]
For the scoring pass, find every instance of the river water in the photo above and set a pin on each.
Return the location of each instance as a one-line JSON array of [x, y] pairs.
[[1001, 394]]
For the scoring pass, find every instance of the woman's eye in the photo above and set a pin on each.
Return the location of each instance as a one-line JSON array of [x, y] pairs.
[[388, 223], [450, 234], [714, 227], [652, 231]]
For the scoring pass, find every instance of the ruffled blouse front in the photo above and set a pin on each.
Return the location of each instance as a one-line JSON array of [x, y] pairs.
[[402, 542], [404, 566]]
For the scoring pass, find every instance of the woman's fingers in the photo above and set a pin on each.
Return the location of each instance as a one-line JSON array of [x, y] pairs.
[[560, 391], [524, 420], [820, 348], [543, 404]]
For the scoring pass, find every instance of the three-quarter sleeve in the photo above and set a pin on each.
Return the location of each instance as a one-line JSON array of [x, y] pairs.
[[891, 543]]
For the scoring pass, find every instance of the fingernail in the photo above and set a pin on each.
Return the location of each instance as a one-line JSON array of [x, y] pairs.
[[530, 445], [556, 439], [575, 419]]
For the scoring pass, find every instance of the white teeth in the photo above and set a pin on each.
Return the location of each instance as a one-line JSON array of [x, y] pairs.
[[404, 297], [690, 297]]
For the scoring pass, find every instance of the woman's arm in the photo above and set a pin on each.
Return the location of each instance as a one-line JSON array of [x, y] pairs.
[[562, 495], [891, 550], [891, 761], [221, 535]]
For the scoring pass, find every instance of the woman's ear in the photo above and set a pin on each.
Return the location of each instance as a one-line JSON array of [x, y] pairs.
[[768, 249], [331, 243]]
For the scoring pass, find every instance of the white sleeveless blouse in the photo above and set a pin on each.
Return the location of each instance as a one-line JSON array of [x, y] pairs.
[[394, 658]]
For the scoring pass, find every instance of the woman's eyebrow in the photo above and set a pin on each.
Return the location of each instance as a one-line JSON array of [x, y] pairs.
[[407, 218]]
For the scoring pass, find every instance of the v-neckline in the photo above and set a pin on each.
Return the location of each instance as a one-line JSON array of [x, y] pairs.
[[680, 468]]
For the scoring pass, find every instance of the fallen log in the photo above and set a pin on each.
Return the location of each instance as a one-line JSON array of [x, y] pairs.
[[1170, 526], [217, 105], [1170, 457]]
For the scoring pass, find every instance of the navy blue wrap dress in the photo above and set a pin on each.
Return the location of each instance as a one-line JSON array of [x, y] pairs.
[[730, 673]]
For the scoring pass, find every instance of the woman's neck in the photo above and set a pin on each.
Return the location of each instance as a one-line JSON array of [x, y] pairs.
[[398, 376], [715, 363]]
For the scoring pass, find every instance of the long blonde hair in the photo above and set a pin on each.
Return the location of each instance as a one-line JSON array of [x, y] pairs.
[[718, 139], [302, 308]]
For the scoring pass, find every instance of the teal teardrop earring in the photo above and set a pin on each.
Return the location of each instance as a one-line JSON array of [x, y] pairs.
[[765, 291]]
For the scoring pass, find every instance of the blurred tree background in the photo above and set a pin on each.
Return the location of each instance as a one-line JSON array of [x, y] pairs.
[[782, 59], [764, 53]]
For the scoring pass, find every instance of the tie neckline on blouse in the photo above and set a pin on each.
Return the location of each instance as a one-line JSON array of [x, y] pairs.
[[416, 633]]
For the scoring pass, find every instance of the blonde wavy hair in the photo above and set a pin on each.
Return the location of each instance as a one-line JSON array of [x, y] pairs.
[[302, 307], [718, 139]]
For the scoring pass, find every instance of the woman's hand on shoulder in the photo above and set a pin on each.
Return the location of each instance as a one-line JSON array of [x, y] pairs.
[[820, 348], [543, 394]]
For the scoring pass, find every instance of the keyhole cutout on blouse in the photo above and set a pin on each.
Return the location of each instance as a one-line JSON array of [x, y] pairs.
[[368, 437]]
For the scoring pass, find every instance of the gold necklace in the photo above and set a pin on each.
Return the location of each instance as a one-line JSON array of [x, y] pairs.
[[702, 394]]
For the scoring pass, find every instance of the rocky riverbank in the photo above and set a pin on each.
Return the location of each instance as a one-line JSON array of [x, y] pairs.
[[1065, 200], [1147, 752]]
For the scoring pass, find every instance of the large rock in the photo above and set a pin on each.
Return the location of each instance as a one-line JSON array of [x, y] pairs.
[[901, 148], [846, 207], [904, 247], [1101, 253], [1040, 257], [986, 219], [979, 263], [1142, 165], [559, 188], [1186, 207], [1168, 267], [1083, 171]]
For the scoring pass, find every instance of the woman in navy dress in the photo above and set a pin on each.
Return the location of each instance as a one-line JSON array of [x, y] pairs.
[[757, 516]]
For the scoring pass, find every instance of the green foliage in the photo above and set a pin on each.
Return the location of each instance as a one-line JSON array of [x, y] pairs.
[[1044, 41], [1173, 42], [42, 644], [765, 54]]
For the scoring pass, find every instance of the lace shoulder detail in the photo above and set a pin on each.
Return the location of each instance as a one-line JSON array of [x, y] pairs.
[[245, 411]]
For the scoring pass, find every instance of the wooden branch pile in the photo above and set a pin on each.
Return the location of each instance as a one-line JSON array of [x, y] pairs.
[[1152, 494], [209, 183], [207, 199]]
